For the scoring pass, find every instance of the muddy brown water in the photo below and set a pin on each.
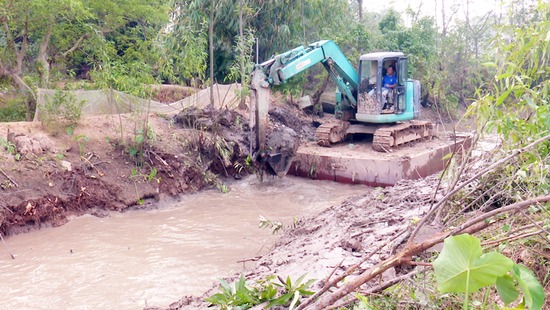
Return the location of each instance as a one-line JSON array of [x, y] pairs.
[[154, 257]]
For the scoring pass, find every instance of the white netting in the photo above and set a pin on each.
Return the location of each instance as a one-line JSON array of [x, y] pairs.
[[115, 102]]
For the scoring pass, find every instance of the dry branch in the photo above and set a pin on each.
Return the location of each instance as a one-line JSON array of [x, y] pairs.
[[412, 249], [75, 46], [349, 271], [9, 178], [511, 238], [438, 205], [377, 288]]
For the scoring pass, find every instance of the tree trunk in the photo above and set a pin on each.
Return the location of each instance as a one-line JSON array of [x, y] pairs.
[[242, 103], [42, 59], [360, 4], [211, 40], [18, 83], [15, 73], [317, 95], [303, 25], [443, 22]]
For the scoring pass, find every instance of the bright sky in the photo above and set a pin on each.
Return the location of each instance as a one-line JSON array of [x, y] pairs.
[[431, 7]]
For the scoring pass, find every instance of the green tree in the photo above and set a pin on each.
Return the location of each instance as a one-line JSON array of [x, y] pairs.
[[43, 32], [516, 102], [28, 26], [183, 44]]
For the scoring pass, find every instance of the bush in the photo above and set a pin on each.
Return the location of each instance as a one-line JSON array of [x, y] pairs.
[[61, 111], [14, 110]]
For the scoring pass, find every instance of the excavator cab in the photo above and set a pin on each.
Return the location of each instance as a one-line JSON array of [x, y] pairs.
[[374, 99]]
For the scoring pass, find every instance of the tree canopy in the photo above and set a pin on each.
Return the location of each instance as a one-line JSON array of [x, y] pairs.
[[121, 44]]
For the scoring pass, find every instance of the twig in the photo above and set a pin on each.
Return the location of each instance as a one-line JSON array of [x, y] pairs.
[[511, 238], [397, 241], [159, 158], [541, 254], [435, 208], [249, 259], [333, 271], [332, 283], [472, 226], [377, 288], [6, 245], [521, 228], [538, 226], [9, 178]]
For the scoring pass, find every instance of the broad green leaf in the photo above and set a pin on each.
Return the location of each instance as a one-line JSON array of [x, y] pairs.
[[506, 289], [533, 293], [461, 267]]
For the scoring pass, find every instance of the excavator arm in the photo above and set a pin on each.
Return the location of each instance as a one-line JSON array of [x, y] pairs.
[[284, 66], [280, 69]]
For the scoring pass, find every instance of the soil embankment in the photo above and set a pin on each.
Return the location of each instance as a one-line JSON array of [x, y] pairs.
[[47, 179], [114, 162]]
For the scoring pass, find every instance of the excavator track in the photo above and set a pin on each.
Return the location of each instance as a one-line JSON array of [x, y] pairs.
[[331, 132], [387, 137]]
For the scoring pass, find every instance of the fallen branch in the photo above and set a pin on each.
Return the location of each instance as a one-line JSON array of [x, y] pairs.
[[443, 200], [159, 158], [541, 227], [412, 249], [377, 288], [349, 271], [9, 178], [512, 238]]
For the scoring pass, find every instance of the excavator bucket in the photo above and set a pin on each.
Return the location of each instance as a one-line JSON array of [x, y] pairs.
[[277, 164], [275, 158]]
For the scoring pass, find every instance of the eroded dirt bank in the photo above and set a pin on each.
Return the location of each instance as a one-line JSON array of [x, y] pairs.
[[116, 162], [92, 171]]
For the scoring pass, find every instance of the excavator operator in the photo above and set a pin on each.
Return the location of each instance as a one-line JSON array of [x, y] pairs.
[[388, 84]]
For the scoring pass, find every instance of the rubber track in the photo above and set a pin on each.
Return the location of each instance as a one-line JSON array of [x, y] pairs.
[[386, 138], [331, 132]]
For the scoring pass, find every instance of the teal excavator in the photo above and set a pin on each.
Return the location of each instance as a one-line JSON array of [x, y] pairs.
[[360, 106]]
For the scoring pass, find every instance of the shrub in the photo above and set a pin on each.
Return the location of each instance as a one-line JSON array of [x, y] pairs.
[[14, 110], [60, 111]]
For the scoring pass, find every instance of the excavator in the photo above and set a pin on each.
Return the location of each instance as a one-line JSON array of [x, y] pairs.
[[361, 107]]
